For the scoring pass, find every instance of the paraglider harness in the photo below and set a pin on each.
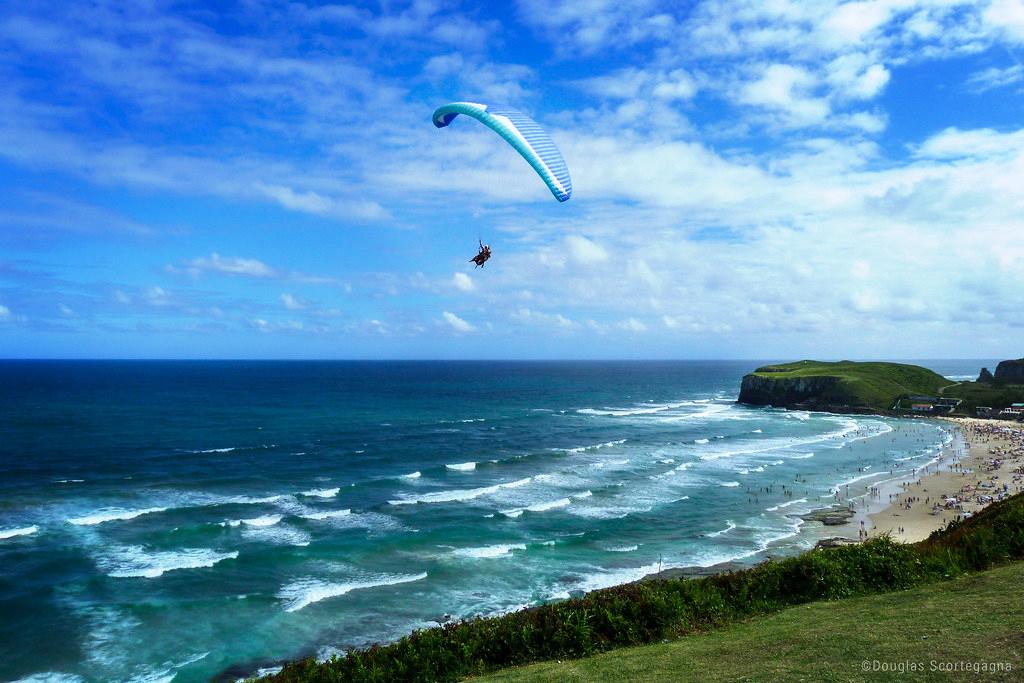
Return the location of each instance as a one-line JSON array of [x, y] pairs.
[[481, 258]]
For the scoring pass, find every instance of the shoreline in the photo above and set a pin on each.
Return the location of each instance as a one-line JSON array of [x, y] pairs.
[[965, 462], [988, 468]]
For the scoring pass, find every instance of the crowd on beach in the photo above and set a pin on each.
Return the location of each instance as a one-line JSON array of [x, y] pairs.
[[988, 468]]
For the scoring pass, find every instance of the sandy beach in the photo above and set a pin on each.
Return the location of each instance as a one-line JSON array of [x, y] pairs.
[[988, 467]]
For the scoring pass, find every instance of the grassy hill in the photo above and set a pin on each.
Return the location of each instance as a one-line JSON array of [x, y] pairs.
[[653, 611], [978, 618], [975, 394], [841, 385]]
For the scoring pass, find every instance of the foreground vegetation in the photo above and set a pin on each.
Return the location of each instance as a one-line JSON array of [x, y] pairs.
[[647, 612], [977, 618]]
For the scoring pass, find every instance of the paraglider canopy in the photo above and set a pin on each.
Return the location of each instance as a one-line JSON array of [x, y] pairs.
[[523, 133]]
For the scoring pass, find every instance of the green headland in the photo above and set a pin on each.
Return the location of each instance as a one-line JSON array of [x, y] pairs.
[[874, 387]]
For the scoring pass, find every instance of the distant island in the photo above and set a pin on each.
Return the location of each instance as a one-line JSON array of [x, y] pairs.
[[885, 388]]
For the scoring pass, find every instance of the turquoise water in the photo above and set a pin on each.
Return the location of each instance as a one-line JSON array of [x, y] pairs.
[[186, 520]]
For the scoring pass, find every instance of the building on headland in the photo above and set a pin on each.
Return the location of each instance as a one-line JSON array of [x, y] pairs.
[[930, 405], [984, 411]]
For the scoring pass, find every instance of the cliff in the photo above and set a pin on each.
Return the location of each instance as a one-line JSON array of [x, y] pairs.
[[843, 386], [1010, 371]]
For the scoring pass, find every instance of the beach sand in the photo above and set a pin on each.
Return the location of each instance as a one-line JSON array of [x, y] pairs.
[[990, 467]]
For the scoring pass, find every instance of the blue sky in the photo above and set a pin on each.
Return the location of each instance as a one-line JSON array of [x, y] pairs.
[[752, 179]]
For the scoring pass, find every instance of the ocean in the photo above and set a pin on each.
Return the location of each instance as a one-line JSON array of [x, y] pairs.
[[180, 520]]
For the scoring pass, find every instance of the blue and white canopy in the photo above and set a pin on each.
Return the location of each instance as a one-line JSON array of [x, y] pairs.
[[523, 133]]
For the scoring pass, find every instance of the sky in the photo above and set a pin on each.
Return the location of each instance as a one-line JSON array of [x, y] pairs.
[[752, 179]]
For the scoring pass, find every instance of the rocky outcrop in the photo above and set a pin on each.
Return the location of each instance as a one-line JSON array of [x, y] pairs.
[[1010, 372], [985, 377], [834, 516], [834, 542], [811, 392]]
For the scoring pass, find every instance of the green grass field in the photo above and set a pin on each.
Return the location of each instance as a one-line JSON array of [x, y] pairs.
[[976, 618]]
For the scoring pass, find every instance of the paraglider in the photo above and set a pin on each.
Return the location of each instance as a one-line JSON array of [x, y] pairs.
[[525, 136], [481, 258]]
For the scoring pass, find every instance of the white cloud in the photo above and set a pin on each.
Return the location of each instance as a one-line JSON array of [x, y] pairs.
[[526, 316], [463, 282], [787, 89], [5, 313], [291, 303], [157, 296], [954, 143], [588, 25], [215, 263], [995, 77], [457, 323], [850, 22], [1008, 17], [585, 251], [632, 325]]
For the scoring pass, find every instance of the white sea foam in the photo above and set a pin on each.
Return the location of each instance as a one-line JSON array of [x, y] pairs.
[[729, 484], [262, 673], [780, 506], [304, 592], [702, 441], [730, 526], [458, 495], [605, 512], [69, 481], [278, 535], [853, 480], [538, 507], [215, 450], [266, 520], [327, 514], [489, 551], [23, 531], [641, 409], [591, 447], [322, 493], [610, 463], [51, 677], [758, 431], [243, 500], [621, 548], [583, 494], [604, 578], [462, 466], [411, 475], [111, 515], [135, 561]]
